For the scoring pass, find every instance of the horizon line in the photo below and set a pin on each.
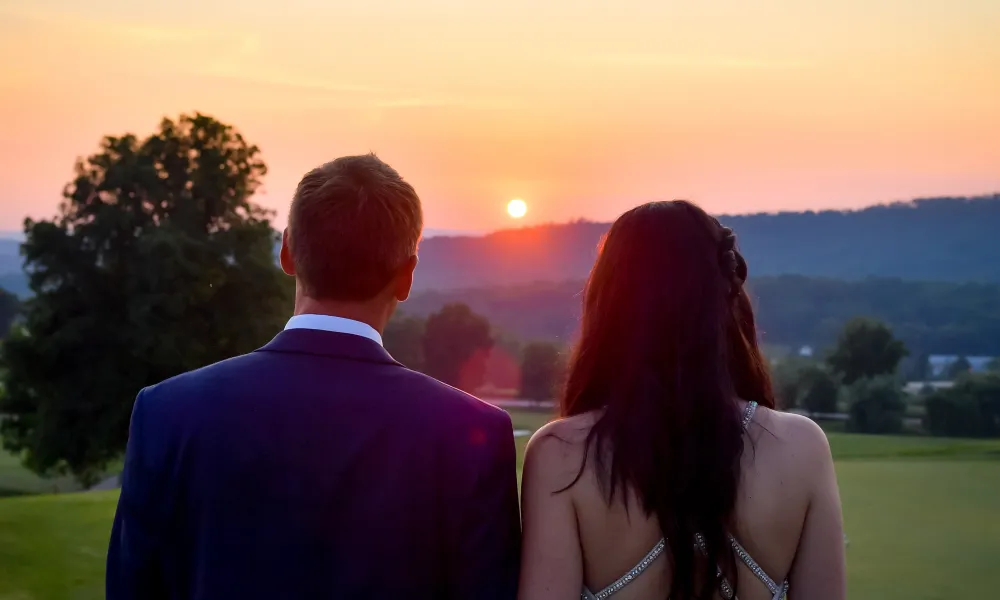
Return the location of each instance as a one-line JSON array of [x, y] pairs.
[[18, 235]]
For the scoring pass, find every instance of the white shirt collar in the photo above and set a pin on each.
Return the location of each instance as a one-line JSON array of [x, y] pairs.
[[334, 324]]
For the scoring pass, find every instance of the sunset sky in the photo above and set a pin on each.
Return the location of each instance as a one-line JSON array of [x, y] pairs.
[[581, 108]]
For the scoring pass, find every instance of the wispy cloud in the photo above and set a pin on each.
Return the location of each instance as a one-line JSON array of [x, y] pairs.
[[222, 55], [303, 83], [445, 102], [77, 22], [678, 62]]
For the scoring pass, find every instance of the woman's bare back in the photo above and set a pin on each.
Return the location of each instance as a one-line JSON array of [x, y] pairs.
[[787, 514]]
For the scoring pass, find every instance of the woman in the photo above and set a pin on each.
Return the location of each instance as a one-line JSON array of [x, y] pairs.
[[670, 475]]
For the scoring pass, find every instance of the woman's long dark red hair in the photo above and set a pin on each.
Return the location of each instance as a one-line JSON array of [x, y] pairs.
[[668, 345]]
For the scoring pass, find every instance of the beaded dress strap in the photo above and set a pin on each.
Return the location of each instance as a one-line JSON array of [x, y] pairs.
[[727, 591], [628, 577], [778, 590], [748, 413]]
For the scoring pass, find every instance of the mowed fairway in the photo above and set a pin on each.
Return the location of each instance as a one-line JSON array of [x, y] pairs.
[[53, 547], [922, 529], [922, 515], [16, 480]]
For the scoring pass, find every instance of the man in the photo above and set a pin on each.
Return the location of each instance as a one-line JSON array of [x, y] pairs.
[[318, 467]]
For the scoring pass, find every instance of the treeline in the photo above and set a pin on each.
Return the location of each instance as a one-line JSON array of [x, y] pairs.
[[941, 239], [9, 307], [793, 311], [862, 372], [969, 409], [463, 349]]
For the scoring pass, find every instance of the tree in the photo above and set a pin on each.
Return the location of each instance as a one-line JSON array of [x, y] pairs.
[[877, 405], [502, 375], [542, 370], [404, 339], [456, 344], [157, 263], [787, 381], [820, 390], [865, 348], [9, 307], [994, 365], [960, 367], [971, 408]]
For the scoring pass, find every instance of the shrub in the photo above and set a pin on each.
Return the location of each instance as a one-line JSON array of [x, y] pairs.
[[542, 371], [786, 377], [877, 406], [866, 348], [820, 390], [969, 409]]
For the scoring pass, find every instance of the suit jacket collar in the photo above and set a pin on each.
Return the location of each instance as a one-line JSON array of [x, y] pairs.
[[328, 343]]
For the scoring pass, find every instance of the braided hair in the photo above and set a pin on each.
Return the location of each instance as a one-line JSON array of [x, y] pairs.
[[734, 266]]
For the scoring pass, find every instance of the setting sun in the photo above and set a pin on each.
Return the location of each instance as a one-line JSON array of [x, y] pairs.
[[517, 208]]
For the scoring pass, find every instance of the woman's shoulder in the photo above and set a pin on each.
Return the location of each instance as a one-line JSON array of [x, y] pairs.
[[556, 438], [557, 450], [792, 426], [800, 439]]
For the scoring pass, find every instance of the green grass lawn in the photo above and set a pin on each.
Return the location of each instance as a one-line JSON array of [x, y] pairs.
[[16, 480], [921, 514], [53, 547], [921, 530]]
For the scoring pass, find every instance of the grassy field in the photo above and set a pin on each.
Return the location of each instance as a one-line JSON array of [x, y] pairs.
[[53, 547], [921, 530], [921, 515], [16, 480]]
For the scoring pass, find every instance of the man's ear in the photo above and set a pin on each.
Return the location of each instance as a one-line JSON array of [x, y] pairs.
[[404, 279], [285, 256]]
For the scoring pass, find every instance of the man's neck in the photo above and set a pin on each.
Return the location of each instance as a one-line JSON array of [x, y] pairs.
[[373, 313]]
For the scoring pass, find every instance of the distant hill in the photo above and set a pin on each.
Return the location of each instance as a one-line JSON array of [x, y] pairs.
[[12, 277], [942, 239], [433, 233], [10, 254], [793, 311], [16, 283]]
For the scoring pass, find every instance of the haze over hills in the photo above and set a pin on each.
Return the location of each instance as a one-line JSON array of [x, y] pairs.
[[792, 310], [941, 239], [11, 277]]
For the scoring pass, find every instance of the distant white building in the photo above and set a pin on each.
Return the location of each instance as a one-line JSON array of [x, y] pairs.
[[806, 351], [916, 388], [941, 363]]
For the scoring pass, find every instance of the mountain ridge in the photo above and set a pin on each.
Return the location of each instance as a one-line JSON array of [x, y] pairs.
[[935, 239]]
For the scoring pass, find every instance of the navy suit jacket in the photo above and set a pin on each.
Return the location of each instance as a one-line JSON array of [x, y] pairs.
[[316, 467]]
